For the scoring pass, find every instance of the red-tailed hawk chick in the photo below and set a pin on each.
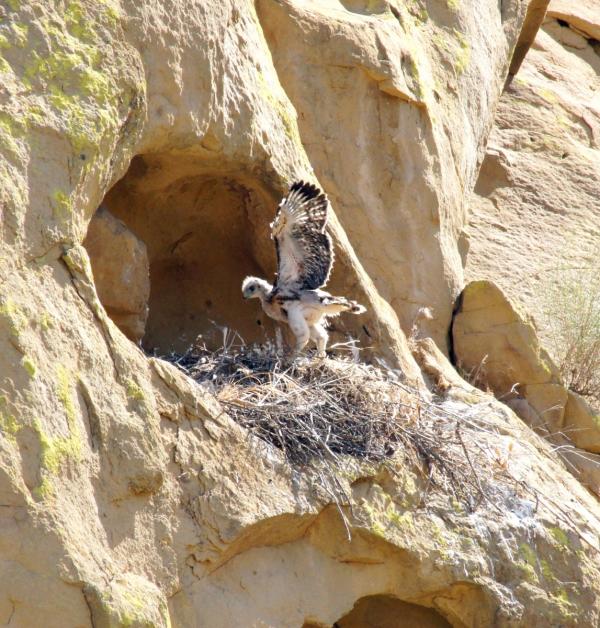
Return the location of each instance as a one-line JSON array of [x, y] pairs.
[[304, 262]]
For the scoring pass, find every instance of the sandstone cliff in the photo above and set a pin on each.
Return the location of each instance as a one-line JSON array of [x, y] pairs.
[[535, 226], [128, 496], [535, 209]]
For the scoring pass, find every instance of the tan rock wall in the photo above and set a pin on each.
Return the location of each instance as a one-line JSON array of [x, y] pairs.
[[496, 346], [397, 138], [121, 272], [535, 212], [128, 497]]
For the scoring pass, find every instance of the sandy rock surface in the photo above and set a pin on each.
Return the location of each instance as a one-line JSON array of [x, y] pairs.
[[535, 212], [583, 15], [408, 91], [128, 497], [496, 346], [121, 272]]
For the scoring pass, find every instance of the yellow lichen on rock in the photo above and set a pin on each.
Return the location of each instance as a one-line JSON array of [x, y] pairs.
[[130, 601], [55, 450]]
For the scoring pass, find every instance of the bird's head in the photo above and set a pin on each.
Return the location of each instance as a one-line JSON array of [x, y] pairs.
[[255, 288]]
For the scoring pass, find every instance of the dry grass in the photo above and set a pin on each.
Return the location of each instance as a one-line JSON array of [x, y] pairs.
[[572, 323]]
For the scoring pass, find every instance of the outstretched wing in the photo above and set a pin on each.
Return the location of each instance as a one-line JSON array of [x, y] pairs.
[[304, 250]]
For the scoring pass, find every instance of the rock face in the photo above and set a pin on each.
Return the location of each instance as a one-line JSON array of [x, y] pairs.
[[494, 340], [128, 496], [535, 212], [497, 345], [286, 561], [394, 78], [535, 220], [121, 272], [582, 16]]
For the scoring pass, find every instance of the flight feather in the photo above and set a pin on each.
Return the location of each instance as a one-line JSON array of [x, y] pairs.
[[304, 249]]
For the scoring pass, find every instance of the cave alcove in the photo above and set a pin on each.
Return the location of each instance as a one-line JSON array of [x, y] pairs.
[[385, 611], [199, 232]]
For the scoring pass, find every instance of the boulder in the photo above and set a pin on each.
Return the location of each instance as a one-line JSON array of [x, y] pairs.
[[121, 272], [497, 347], [128, 600], [493, 338], [537, 189], [582, 423]]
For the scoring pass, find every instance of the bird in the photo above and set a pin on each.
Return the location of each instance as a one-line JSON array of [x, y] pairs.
[[304, 261]]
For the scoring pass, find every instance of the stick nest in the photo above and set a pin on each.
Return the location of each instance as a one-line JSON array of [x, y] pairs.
[[324, 414], [321, 410]]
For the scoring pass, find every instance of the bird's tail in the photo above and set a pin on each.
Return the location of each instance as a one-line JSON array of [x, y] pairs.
[[337, 305]]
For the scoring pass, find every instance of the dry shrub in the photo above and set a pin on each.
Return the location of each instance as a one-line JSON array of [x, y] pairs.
[[572, 325], [477, 375]]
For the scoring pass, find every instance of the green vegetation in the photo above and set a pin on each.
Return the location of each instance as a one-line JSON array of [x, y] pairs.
[[44, 490], [72, 76], [61, 206], [560, 536], [571, 321], [14, 34], [64, 395], [463, 57], [134, 606], [418, 11], [8, 422], [404, 521], [134, 391], [566, 608], [528, 562], [55, 450], [46, 321], [457, 47], [13, 315]]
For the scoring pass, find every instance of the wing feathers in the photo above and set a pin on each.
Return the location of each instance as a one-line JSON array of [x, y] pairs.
[[304, 250], [306, 204]]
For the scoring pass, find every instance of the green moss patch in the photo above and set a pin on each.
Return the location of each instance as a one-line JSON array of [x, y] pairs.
[[8, 422], [13, 316], [134, 391], [62, 209], [73, 76]]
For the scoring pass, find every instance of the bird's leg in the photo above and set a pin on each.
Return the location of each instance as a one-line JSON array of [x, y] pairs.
[[320, 337], [301, 342], [299, 327]]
